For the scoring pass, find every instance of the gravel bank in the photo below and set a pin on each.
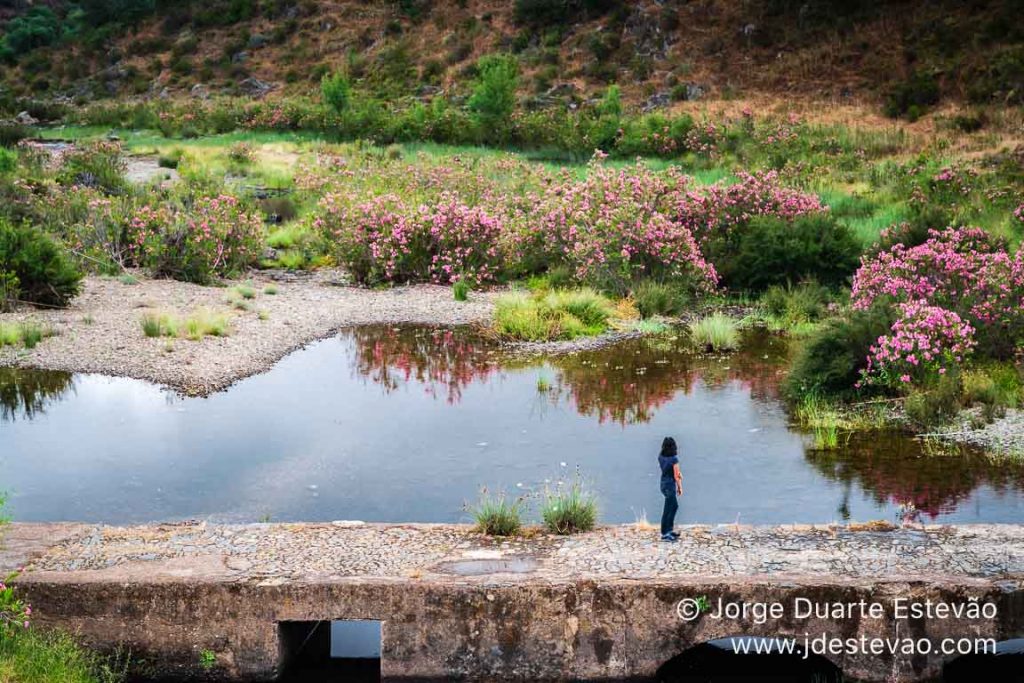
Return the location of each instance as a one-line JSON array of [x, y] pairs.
[[1001, 437], [100, 332]]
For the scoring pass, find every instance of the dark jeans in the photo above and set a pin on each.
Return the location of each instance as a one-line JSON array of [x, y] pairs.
[[668, 516]]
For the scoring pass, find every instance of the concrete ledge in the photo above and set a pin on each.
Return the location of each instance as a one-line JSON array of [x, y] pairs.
[[457, 605]]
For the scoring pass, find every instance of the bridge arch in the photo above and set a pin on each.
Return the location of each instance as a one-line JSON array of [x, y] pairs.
[[740, 657]]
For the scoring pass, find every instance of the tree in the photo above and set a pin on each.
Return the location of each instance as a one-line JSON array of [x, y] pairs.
[[336, 91], [494, 92]]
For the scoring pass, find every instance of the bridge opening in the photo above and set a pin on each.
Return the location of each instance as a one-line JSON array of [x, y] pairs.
[[747, 659], [330, 651], [1006, 665]]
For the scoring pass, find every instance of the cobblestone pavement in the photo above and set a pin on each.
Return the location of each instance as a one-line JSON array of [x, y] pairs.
[[294, 552]]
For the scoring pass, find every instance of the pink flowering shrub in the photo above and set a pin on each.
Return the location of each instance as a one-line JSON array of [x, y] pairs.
[[14, 612], [610, 229], [716, 213], [215, 236], [385, 240], [962, 270], [925, 341]]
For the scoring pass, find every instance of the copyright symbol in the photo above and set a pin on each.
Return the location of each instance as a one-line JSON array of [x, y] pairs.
[[688, 609]]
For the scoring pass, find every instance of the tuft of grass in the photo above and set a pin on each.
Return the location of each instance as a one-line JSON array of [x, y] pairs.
[[270, 290], [497, 515], [201, 323], [245, 291], [543, 385], [550, 315], [28, 334], [569, 511], [288, 237], [31, 334], [824, 420], [10, 334], [716, 332], [660, 298], [205, 323], [460, 290], [128, 279], [31, 656]]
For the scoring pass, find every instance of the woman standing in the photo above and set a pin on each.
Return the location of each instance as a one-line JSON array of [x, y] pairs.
[[671, 486]]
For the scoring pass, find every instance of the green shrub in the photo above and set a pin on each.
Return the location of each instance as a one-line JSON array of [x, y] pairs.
[[831, 360], [773, 251], [569, 511], [460, 290], [97, 165], [716, 332], [12, 133], [171, 159], [912, 97], [494, 91], [497, 516], [33, 263], [8, 161], [660, 298], [336, 91], [788, 306]]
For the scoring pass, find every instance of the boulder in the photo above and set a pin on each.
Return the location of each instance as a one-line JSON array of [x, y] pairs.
[[657, 101], [254, 87], [200, 92], [26, 119]]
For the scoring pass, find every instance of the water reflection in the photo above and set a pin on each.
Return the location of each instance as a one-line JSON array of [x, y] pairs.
[[922, 483], [25, 393], [624, 383], [425, 416]]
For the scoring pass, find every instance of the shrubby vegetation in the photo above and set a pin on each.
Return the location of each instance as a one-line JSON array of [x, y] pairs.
[[34, 268]]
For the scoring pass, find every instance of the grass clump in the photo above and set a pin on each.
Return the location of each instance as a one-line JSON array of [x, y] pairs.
[[30, 656], [556, 314], [823, 419], [270, 290], [28, 334], [460, 290], [569, 511], [794, 309], [497, 515], [660, 298], [202, 323], [245, 291], [716, 332]]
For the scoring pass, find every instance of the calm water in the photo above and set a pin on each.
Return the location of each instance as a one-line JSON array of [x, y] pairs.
[[406, 424]]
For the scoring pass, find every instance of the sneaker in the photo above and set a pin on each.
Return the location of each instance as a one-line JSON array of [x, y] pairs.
[[669, 538], [674, 534]]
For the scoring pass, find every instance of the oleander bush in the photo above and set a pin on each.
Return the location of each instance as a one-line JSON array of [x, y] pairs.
[[209, 237]]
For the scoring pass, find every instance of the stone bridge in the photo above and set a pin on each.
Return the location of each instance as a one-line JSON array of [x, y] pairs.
[[454, 604]]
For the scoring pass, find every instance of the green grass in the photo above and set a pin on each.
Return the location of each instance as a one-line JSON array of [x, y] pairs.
[[497, 515], [287, 237], [201, 323], [716, 332], [824, 420], [28, 334], [551, 315], [569, 511], [32, 656], [245, 291], [460, 290]]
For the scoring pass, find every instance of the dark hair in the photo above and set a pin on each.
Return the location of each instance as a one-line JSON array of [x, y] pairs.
[[668, 447]]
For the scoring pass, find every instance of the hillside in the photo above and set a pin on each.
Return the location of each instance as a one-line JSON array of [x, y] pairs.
[[899, 57]]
